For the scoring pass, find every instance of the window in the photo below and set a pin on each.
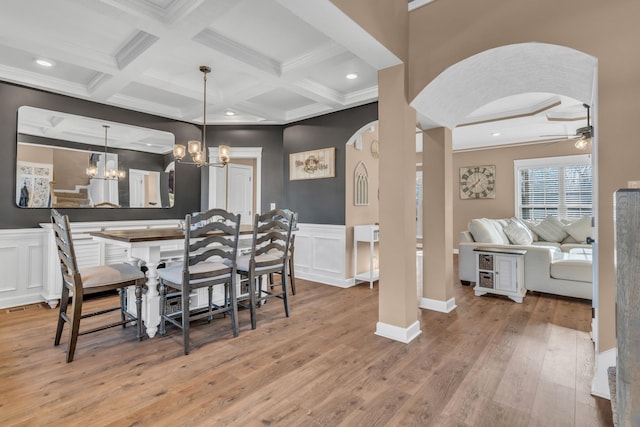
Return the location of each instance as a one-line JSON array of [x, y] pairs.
[[557, 186]]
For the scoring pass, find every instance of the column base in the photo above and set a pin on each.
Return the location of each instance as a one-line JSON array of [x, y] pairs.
[[396, 333]]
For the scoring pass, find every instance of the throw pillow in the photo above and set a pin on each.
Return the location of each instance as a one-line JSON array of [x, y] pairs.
[[499, 225], [484, 232], [518, 233], [580, 229], [531, 223], [551, 229]]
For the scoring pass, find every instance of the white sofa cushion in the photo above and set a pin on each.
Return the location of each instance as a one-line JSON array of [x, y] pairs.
[[483, 230], [518, 233], [580, 229], [572, 269], [551, 229]]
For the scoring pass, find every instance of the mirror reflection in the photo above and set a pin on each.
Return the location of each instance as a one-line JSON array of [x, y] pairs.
[[70, 161]]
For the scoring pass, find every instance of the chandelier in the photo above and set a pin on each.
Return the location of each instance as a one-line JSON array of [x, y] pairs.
[[92, 170], [197, 149]]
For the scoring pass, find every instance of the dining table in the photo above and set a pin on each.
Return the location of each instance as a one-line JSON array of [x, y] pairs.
[[144, 248]]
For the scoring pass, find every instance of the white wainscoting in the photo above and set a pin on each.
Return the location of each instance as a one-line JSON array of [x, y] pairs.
[[22, 266], [320, 254]]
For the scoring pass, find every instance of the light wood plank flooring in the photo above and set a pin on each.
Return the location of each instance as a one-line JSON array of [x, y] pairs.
[[491, 362]]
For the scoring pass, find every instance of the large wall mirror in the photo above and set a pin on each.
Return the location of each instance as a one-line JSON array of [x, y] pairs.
[[69, 161]]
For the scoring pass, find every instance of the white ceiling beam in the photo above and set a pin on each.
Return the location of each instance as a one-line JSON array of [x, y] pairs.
[[327, 18]]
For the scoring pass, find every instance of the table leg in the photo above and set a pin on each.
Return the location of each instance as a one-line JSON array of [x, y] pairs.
[[151, 299]]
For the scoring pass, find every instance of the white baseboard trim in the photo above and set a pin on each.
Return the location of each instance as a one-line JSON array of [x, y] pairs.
[[20, 300], [326, 280], [437, 305], [396, 333], [600, 384]]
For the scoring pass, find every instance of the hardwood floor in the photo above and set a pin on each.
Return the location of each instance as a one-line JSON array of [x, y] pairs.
[[491, 362]]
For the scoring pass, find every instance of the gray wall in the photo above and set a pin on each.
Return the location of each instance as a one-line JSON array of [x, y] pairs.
[[267, 137], [322, 201], [12, 97]]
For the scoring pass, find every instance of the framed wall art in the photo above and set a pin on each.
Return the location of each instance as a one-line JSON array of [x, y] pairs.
[[312, 164]]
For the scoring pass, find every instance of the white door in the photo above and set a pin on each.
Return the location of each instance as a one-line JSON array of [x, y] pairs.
[[136, 188], [240, 192]]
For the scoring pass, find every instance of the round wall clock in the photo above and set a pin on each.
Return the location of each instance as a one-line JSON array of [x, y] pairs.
[[478, 182]]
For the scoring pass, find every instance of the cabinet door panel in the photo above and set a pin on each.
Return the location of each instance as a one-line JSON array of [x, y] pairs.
[[506, 277]]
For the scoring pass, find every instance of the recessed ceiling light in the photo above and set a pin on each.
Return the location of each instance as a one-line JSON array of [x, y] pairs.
[[45, 62], [230, 113], [496, 134], [352, 76]]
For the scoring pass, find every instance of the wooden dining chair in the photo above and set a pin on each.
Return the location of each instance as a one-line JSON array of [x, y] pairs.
[[210, 249], [77, 283], [269, 254], [291, 271]]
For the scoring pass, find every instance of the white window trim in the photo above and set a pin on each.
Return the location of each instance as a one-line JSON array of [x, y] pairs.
[[578, 159]]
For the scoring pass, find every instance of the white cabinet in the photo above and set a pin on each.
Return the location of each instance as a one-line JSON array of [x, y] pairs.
[[365, 233], [500, 271]]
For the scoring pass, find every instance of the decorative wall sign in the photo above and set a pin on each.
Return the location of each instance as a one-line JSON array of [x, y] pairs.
[[361, 185], [312, 164], [478, 182]]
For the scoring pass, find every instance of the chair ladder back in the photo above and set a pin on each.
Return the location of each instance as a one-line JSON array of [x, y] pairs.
[[271, 231], [215, 234], [65, 249]]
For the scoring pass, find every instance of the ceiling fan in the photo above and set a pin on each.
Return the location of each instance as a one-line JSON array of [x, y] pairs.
[[583, 134]]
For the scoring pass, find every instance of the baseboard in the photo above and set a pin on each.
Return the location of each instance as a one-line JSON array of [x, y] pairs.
[[437, 305], [20, 300], [326, 280], [396, 333], [600, 384]]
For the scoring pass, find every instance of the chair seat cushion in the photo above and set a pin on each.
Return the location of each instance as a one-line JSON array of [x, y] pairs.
[[242, 262], [173, 274], [103, 275]]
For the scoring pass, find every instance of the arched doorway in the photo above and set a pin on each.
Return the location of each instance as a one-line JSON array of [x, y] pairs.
[[449, 99]]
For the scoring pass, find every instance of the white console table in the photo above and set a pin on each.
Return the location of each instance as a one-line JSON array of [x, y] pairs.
[[365, 233]]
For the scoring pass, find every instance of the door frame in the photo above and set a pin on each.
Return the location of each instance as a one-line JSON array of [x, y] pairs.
[[249, 168], [218, 176]]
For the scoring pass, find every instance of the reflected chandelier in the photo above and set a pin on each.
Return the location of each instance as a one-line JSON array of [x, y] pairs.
[[196, 149], [92, 170]]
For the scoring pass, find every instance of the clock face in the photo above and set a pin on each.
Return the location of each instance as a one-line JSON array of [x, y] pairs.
[[478, 182]]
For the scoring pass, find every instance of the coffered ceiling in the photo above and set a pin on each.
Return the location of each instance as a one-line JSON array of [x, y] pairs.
[[273, 62]]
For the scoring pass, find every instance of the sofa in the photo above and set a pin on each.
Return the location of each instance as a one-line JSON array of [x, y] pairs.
[[558, 259]]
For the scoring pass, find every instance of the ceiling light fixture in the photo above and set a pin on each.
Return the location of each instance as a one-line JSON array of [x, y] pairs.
[[230, 113], [197, 149], [352, 76], [92, 170], [44, 62], [495, 134], [586, 132]]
